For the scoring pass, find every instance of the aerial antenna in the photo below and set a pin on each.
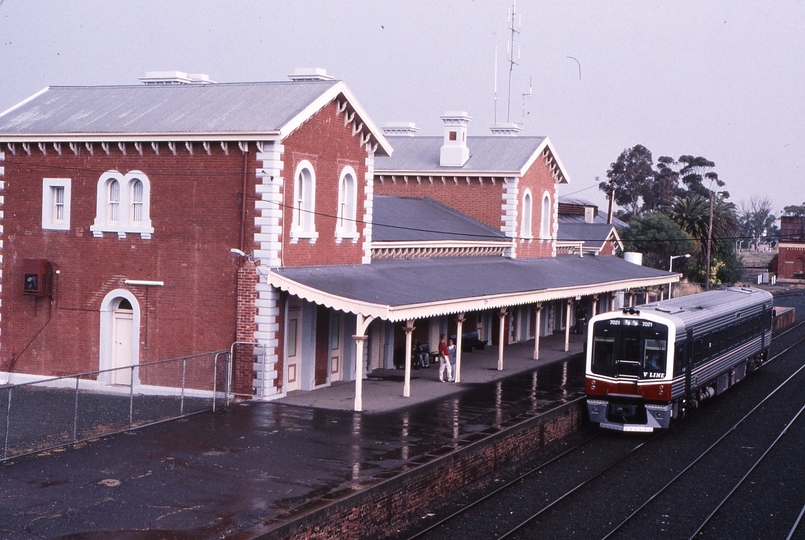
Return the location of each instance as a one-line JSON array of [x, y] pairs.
[[528, 95], [512, 63], [496, 85]]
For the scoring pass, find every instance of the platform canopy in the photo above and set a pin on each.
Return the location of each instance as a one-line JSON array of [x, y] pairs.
[[402, 289]]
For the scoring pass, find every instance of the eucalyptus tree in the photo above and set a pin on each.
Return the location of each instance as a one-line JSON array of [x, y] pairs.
[[756, 220], [630, 177]]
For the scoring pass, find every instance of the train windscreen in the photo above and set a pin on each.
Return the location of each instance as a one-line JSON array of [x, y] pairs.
[[629, 348]]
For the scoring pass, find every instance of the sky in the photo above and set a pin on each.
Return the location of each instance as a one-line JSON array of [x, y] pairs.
[[719, 79]]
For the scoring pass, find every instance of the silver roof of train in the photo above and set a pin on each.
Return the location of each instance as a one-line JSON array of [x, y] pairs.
[[696, 309]]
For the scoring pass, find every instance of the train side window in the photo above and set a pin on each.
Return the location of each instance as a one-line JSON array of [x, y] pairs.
[[678, 351], [698, 352]]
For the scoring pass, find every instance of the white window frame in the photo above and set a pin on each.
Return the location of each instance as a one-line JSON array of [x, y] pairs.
[[125, 223], [303, 224], [545, 217], [527, 217], [346, 226], [49, 218]]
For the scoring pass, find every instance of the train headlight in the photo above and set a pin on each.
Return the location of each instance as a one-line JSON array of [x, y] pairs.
[[662, 389], [592, 384]]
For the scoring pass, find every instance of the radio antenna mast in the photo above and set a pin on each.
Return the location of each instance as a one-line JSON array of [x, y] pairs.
[[512, 63], [496, 85]]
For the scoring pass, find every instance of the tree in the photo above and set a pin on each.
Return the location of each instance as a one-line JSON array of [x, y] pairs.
[[630, 176], [794, 210], [692, 214], [697, 171], [665, 187], [657, 237], [756, 220]]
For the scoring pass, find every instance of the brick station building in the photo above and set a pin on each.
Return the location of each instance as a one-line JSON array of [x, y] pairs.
[[178, 217]]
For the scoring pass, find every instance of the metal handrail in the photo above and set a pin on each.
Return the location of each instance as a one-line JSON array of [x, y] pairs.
[[134, 370]]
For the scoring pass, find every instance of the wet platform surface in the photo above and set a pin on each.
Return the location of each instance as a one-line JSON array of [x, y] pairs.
[[221, 473]]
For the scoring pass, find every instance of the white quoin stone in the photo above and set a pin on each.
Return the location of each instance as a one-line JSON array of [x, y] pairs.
[[454, 152]]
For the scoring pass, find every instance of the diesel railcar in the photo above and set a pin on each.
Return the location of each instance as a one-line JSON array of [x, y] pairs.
[[649, 365]]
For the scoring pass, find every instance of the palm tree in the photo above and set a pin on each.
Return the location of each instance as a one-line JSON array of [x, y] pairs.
[[692, 214]]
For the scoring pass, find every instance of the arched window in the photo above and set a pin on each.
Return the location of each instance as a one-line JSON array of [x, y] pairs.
[[304, 202], [113, 214], [123, 205], [545, 218], [525, 223], [136, 201], [346, 225]]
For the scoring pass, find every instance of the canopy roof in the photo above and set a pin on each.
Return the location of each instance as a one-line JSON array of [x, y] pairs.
[[401, 289]]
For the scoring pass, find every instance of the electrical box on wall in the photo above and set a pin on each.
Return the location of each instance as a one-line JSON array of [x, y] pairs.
[[37, 277]]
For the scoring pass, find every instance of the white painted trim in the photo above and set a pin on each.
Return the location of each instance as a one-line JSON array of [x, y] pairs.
[[448, 307], [107, 333], [48, 202]]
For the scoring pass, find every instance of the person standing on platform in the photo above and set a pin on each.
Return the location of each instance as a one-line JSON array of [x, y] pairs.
[[444, 360], [452, 348]]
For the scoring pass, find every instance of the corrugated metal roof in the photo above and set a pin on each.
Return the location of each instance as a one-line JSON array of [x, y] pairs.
[[180, 109], [487, 154], [691, 311], [409, 219], [404, 282], [590, 233]]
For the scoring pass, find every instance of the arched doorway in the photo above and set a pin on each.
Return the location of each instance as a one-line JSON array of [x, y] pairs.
[[119, 338]]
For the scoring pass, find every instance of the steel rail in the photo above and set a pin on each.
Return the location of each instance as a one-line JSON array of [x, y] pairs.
[[712, 446], [745, 476], [463, 510]]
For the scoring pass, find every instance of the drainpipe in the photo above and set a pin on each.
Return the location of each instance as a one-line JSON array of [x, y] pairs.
[[243, 205]]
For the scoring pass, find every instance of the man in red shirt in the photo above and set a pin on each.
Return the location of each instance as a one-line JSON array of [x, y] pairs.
[[444, 359]]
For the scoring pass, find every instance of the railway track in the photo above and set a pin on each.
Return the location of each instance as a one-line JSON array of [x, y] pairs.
[[529, 505]]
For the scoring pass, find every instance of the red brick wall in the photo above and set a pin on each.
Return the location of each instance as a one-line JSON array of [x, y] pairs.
[[481, 201], [791, 261], [538, 179], [244, 354], [329, 146], [384, 509], [195, 211]]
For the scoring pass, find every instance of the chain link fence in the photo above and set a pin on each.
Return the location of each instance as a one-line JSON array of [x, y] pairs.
[[61, 411]]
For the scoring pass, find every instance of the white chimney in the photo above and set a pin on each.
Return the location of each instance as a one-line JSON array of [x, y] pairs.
[[407, 129], [510, 129], [454, 152], [175, 77], [310, 74]]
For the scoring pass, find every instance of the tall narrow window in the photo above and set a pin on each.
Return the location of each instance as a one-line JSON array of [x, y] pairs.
[[304, 201], [136, 202], [346, 226], [56, 203], [545, 218], [113, 212], [525, 228]]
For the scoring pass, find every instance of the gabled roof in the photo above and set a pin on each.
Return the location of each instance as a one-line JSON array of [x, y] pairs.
[[489, 156], [401, 289], [235, 111], [588, 234], [410, 219]]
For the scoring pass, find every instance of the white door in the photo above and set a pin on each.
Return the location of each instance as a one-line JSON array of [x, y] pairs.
[[122, 331], [294, 348], [336, 355]]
